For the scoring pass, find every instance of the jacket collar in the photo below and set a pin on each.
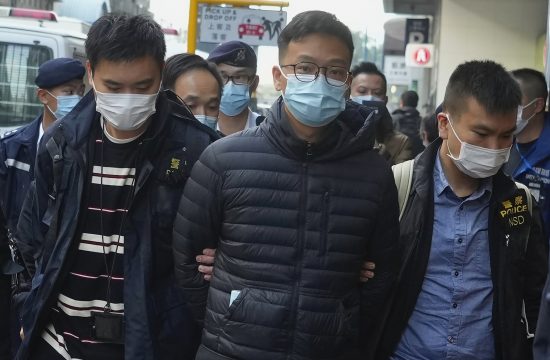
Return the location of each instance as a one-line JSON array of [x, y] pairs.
[[541, 149], [351, 132], [29, 135], [424, 166]]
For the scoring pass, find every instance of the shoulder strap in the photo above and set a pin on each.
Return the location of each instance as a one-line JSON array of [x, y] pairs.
[[528, 194], [529, 206], [403, 174], [54, 147]]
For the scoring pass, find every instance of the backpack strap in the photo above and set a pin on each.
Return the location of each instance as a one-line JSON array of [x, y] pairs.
[[529, 206], [55, 149], [403, 174], [528, 194], [259, 120]]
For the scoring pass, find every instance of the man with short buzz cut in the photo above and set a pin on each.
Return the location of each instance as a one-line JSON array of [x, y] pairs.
[[98, 221], [293, 207], [530, 156], [237, 64], [473, 252], [60, 87]]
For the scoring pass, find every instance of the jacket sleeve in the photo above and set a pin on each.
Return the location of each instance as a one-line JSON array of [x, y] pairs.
[[541, 346], [4, 247], [197, 227], [31, 229], [404, 151], [536, 269], [383, 251]]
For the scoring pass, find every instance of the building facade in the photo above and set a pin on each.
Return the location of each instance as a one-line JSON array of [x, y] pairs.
[[130, 7]]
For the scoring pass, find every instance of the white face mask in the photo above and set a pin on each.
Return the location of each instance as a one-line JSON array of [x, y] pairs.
[[475, 161], [521, 123], [125, 112]]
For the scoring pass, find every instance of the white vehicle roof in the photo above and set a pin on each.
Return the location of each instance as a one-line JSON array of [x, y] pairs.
[[63, 26]]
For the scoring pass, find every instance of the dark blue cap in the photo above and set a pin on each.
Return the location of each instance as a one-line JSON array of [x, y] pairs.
[[58, 71], [234, 53]]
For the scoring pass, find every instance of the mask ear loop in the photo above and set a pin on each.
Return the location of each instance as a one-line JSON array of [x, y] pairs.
[[48, 106], [450, 154]]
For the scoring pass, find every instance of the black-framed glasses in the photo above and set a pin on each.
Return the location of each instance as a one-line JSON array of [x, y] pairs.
[[308, 72], [241, 79]]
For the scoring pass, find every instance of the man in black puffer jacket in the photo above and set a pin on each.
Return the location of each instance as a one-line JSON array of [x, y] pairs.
[[293, 207]]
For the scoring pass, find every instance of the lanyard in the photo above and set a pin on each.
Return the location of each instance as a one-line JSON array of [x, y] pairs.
[[528, 165]]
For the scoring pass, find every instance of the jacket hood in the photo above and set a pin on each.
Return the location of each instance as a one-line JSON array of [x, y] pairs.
[[351, 132], [30, 133]]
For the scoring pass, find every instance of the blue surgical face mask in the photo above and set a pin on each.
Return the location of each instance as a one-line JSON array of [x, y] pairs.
[[360, 99], [235, 98], [314, 103], [210, 121], [65, 103]]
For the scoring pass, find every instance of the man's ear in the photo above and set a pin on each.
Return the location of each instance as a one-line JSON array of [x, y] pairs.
[[442, 122], [540, 105], [279, 80], [254, 84], [89, 70], [42, 96]]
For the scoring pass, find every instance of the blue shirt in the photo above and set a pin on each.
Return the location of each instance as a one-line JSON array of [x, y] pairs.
[[452, 318], [534, 170]]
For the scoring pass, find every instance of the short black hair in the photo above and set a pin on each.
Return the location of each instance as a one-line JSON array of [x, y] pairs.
[[366, 67], [314, 22], [409, 98], [125, 38], [179, 64], [485, 81], [533, 83]]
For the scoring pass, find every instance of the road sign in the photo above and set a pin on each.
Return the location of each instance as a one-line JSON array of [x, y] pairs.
[[419, 55], [255, 27], [396, 70]]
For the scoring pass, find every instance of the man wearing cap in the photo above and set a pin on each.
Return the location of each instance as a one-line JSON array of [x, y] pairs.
[[237, 64], [60, 87]]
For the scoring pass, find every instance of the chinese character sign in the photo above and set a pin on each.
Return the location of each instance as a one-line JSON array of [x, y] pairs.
[[255, 27]]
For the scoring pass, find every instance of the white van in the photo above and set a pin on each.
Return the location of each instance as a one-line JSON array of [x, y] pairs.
[[28, 38]]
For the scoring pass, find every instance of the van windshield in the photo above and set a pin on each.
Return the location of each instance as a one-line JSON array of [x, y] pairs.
[[18, 68]]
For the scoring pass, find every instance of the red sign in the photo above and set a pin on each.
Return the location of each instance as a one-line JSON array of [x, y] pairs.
[[419, 55], [422, 56]]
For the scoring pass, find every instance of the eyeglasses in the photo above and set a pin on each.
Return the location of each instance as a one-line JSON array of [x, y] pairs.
[[308, 72], [237, 79]]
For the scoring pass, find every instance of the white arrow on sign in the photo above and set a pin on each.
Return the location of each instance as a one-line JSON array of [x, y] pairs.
[[419, 55]]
